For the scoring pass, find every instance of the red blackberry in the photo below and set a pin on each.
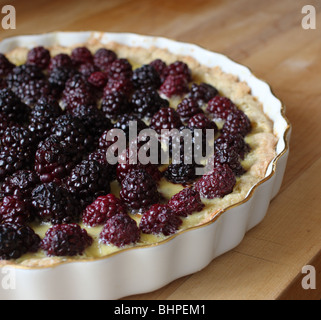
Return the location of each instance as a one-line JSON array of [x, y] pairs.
[[174, 85], [98, 79], [120, 230], [165, 118], [15, 210], [103, 58], [237, 122], [201, 121], [20, 183], [186, 202], [88, 180], [66, 240], [81, 55], [55, 204], [217, 183], [146, 76], [188, 108], [102, 209], [160, 219], [61, 60], [178, 68], [86, 69], [16, 240], [181, 173], [114, 104], [202, 92], [55, 158], [139, 190], [43, 116], [13, 107], [120, 68], [5, 65], [122, 85], [146, 102], [39, 56], [220, 107], [160, 66]]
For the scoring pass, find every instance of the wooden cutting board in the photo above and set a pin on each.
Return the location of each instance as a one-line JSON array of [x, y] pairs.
[[268, 37]]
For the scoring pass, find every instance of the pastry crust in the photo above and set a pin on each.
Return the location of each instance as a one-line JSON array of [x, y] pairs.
[[262, 141]]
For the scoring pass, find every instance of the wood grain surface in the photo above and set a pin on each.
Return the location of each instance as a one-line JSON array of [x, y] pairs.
[[268, 37]]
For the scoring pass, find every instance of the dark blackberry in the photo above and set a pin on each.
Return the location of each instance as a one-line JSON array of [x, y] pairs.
[[98, 79], [160, 219], [3, 84], [102, 209], [107, 139], [81, 55], [181, 173], [61, 60], [86, 69], [120, 230], [114, 105], [160, 67], [146, 102], [186, 202], [43, 116], [59, 76], [217, 183], [16, 240], [53, 203], [39, 56], [201, 121], [237, 122], [20, 183], [103, 58], [73, 130], [55, 158], [188, 108], [202, 92], [15, 210], [178, 68], [5, 65], [146, 76], [120, 68], [123, 85], [174, 85], [220, 107], [165, 118], [66, 240], [5, 123], [88, 180], [139, 190], [13, 107], [125, 120]]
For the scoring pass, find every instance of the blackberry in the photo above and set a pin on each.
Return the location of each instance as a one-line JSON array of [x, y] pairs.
[[174, 85], [59, 76], [102, 209], [217, 183], [55, 158], [20, 183], [103, 58], [16, 240], [17, 137], [178, 68], [81, 55], [237, 123], [186, 202], [15, 210], [114, 105], [201, 121], [86, 69], [88, 180], [39, 56], [43, 116], [220, 107], [146, 102], [160, 66], [160, 219], [5, 123], [146, 76], [66, 240], [13, 107], [234, 142], [5, 65], [98, 79], [53, 203], [181, 173], [120, 68], [124, 121], [165, 118], [123, 85], [120, 230], [139, 190], [188, 108], [61, 60], [202, 92]]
